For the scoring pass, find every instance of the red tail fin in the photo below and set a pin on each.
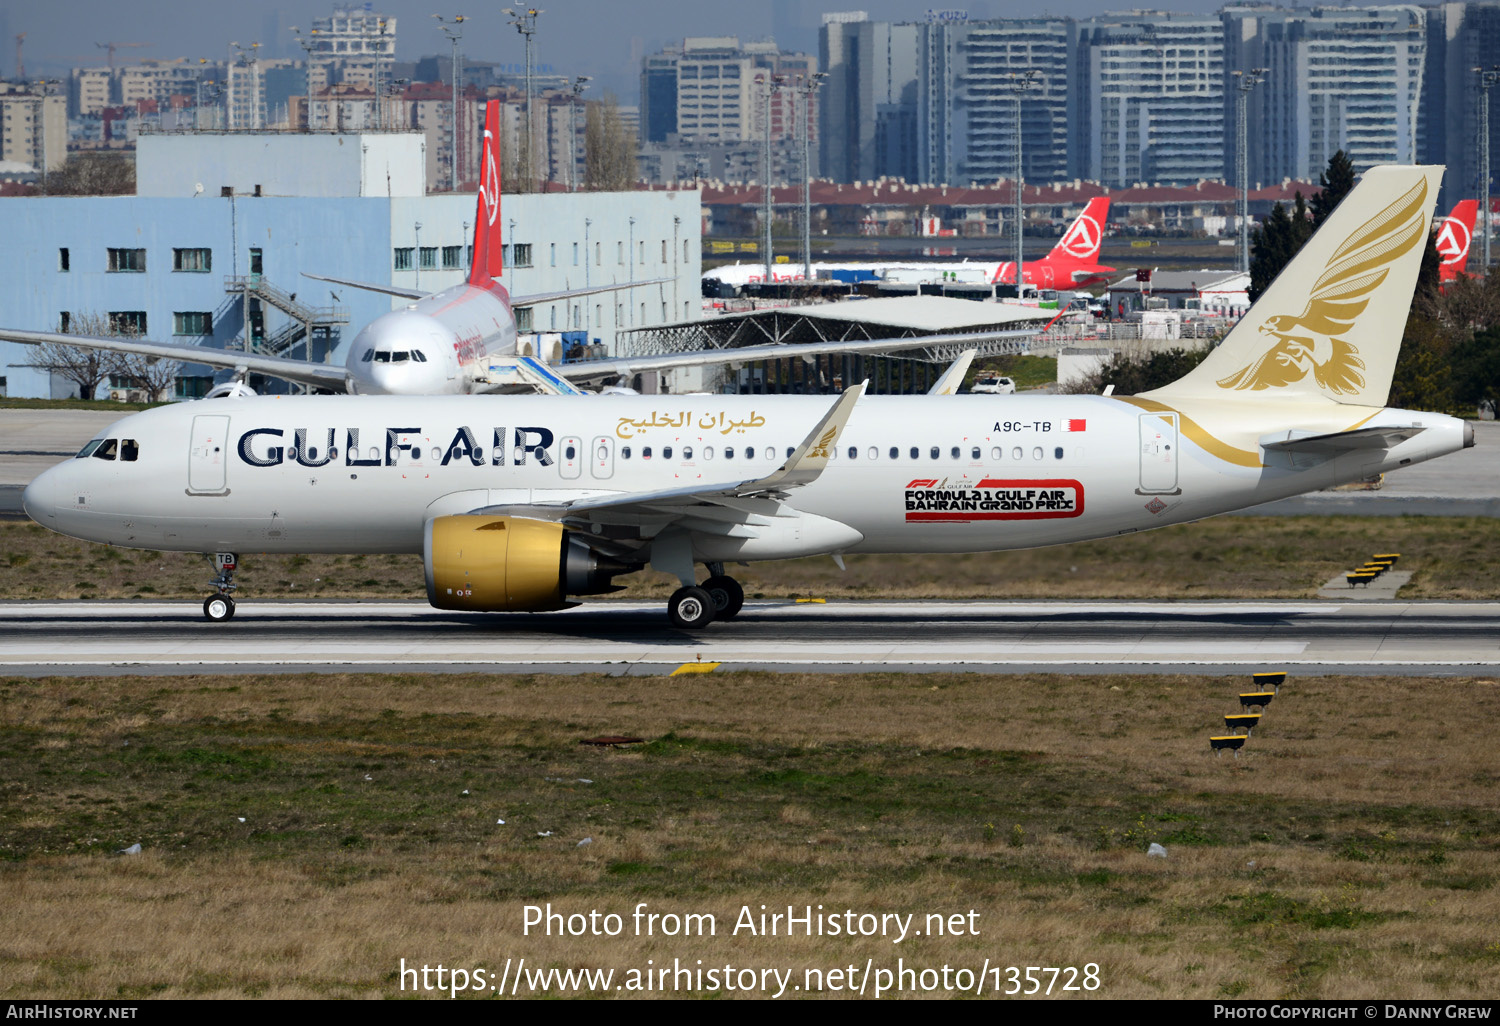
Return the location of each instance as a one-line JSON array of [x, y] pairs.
[[1453, 238], [1080, 243], [488, 256]]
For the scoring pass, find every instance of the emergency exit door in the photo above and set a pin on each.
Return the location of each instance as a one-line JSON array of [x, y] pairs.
[[1158, 454]]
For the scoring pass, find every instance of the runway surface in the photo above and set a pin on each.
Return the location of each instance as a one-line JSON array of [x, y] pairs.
[[635, 638]]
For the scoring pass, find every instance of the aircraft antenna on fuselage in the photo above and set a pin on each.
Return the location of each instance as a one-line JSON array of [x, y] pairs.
[[488, 255]]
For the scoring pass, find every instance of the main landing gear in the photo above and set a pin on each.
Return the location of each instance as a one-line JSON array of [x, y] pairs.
[[697, 605], [219, 607]]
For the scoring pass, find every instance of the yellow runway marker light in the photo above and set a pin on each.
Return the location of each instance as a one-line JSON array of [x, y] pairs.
[[1269, 679], [1247, 720], [694, 668], [1250, 699], [813, 600]]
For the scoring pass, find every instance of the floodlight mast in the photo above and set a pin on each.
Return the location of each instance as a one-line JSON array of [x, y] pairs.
[[453, 29], [1245, 83]]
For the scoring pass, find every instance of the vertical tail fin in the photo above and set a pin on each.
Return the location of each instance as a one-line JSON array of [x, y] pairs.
[[488, 261], [1330, 325], [1080, 243], [1453, 239]]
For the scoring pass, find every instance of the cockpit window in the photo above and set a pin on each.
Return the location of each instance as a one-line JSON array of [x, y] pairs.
[[399, 357], [382, 356], [106, 450], [369, 355], [130, 450], [88, 450], [419, 356]]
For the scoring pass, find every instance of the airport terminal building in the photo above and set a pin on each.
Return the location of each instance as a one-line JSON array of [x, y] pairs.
[[214, 246]]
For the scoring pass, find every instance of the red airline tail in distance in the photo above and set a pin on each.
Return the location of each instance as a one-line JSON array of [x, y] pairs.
[[1453, 238], [1080, 243], [488, 257]]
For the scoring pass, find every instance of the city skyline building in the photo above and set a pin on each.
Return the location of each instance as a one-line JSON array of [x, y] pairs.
[[1149, 99], [1335, 79]]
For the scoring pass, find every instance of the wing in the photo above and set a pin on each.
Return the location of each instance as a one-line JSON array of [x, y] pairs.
[[550, 297], [734, 508], [321, 375], [627, 365], [1360, 265], [1278, 366], [388, 290]]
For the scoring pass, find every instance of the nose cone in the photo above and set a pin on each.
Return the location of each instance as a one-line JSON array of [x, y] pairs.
[[43, 495]]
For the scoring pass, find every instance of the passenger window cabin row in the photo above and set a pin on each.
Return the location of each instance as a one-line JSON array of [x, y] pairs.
[[729, 452]]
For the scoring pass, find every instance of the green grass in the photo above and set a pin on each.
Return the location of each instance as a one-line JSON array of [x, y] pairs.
[[304, 832]]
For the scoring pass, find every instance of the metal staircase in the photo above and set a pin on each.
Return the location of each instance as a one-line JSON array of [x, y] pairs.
[[304, 321]]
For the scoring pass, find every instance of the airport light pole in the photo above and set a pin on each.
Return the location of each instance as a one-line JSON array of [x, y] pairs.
[[525, 23], [308, 44], [809, 90], [1487, 79], [1020, 81], [1244, 84], [417, 263], [588, 223], [772, 83], [453, 28], [579, 85], [245, 57]]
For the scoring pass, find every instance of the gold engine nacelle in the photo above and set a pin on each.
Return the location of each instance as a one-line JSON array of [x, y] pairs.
[[494, 564]]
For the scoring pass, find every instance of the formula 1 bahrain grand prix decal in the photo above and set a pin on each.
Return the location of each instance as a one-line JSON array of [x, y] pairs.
[[930, 500]]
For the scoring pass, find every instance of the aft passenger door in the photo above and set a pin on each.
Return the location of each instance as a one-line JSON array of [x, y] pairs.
[[208, 455], [1158, 454]]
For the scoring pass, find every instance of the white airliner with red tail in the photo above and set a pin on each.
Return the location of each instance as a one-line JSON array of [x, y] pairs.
[[1453, 239], [1074, 261], [463, 340], [519, 503]]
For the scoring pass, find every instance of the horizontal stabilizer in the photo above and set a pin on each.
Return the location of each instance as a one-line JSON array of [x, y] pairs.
[[1342, 441]]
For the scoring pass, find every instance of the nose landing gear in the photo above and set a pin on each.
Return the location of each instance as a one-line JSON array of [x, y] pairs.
[[219, 606]]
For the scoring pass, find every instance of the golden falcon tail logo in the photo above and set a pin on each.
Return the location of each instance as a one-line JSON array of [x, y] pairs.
[[1308, 343]]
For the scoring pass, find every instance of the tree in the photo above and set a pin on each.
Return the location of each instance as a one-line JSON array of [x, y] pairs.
[[1274, 243], [609, 150], [88, 367], [152, 374], [1133, 373], [93, 174], [1423, 377], [1336, 183]]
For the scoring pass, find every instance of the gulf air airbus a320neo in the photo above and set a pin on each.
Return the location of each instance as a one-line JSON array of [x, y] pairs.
[[523, 502]]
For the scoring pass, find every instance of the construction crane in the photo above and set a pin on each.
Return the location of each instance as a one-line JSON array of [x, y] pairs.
[[112, 47]]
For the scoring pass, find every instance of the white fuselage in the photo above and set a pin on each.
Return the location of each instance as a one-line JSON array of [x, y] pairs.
[[439, 345], [911, 473]]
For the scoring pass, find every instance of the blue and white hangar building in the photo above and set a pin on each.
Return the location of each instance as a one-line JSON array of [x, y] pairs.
[[213, 248]]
